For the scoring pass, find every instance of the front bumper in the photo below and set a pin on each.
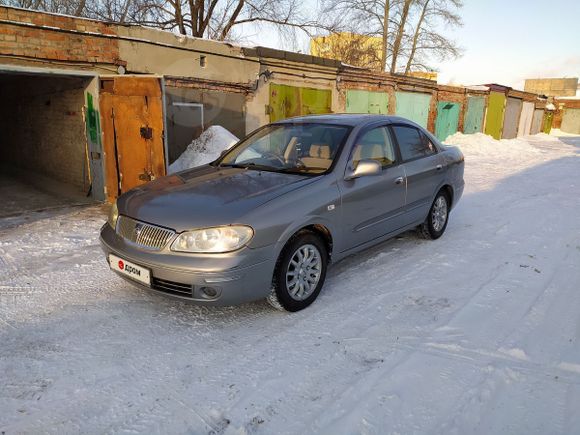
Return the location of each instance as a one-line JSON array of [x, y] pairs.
[[236, 277]]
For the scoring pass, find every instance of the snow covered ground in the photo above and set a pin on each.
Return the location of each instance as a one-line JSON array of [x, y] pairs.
[[478, 332]]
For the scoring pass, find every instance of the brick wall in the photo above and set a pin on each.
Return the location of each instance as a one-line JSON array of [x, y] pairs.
[[44, 128], [44, 36]]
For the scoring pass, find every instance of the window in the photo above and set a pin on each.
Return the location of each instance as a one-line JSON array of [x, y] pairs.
[[306, 148], [375, 145], [413, 143]]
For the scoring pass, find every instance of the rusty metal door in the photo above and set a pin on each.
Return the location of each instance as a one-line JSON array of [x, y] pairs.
[[287, 101], [511, 119], [132, 120]]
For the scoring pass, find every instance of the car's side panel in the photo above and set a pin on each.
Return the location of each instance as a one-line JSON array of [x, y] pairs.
[[423, 176], [371, 206]]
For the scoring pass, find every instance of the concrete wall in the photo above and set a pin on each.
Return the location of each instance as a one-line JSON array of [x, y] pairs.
[[43, 128]]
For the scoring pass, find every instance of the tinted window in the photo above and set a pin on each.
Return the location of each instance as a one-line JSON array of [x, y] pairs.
[[375, 145], [413, 143]]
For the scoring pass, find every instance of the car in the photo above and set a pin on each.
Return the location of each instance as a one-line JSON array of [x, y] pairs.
[[267, 217]]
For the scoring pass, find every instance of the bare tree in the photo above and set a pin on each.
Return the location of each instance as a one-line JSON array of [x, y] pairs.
[[409, 29]]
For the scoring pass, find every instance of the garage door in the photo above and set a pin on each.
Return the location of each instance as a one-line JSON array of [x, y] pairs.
[[132, 114], [537, 121], [361, 101], [571, 121], [511, 119], [287, 101], [494, 117], [447, 119], [473, 120], [526, 119], [413, 106]]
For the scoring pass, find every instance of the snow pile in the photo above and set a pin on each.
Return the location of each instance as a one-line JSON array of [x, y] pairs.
[[206, 148], [482, 144]]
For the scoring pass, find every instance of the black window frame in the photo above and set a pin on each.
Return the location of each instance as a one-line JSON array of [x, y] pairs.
[[422, 135]]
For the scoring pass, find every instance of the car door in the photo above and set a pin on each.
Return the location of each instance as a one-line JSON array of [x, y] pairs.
[[423, 168], [372, 206]]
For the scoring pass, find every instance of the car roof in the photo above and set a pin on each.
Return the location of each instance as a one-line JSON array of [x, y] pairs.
[[348, 119]]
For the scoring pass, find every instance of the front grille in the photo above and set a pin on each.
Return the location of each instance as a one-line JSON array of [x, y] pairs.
[[143, 234], [172, 287]]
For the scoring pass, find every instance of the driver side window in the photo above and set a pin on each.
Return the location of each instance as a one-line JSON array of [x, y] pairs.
[[376, 145]]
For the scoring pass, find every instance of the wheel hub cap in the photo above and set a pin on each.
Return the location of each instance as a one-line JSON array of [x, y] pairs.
[[439, 214], [303, 272]]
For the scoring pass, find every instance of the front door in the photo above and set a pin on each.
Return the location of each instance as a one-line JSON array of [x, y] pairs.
[[132, 120], [372, 206]]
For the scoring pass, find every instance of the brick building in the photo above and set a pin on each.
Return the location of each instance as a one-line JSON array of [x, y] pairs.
[[104, 107]]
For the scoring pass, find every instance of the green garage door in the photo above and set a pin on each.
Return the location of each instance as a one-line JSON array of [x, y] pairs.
[[413, 106], [473, 120], [287, 101], [447, 119], [361, 101]]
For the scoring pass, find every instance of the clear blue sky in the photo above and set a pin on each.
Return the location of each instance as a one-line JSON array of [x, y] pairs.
[[504, 41]]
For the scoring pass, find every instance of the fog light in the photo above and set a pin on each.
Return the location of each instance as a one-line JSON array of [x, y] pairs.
[[209, 292]]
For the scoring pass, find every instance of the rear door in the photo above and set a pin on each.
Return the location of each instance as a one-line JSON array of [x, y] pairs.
[[372, 206], [423, 170]]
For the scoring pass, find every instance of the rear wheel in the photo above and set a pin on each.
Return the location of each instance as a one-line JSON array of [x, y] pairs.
[[436, 222], [300, 272]]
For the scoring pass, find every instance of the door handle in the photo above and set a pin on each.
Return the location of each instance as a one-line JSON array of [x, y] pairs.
[[439, 167], [399, 180]]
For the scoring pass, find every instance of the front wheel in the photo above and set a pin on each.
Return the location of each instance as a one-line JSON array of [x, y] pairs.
[[436, 222], [300, 273]]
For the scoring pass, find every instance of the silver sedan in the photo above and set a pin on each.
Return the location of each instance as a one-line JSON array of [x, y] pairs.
[[266, 219]]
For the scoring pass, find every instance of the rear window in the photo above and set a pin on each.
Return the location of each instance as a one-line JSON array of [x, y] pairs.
[[412, 143]]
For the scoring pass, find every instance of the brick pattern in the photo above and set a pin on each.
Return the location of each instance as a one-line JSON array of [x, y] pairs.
[[53, 42], [44, 128]]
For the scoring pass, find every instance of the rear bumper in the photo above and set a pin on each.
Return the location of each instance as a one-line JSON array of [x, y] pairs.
[[235, 277]]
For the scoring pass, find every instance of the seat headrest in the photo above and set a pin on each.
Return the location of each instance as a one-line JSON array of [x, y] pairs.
[[320, 150]]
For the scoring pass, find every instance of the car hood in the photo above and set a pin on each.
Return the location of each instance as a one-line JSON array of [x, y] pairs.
[[206, 196]]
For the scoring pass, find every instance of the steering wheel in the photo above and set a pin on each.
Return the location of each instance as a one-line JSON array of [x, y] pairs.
[[272, 156]]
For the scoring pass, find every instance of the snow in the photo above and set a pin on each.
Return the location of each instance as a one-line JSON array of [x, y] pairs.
[[206, 148], [478, 332]]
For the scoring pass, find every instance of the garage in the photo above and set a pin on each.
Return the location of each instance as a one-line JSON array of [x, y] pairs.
[[44, 149]]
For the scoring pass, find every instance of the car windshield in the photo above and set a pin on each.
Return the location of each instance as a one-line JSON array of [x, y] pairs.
[[296, 148]]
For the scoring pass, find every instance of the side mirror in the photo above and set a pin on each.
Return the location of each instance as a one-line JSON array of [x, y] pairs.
[[364, 168]]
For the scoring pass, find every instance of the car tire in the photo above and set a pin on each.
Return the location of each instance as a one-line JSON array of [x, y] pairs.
[[436, 221], [300, 272]]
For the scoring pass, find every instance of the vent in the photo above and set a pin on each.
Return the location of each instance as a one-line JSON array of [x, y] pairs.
[[143, 234]]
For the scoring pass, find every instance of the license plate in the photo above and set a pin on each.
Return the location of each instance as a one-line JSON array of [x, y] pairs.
[[132, 270]]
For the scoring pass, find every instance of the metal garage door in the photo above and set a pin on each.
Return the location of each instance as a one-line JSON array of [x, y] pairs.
[[494, 118], [513, 108], [537, 121], [132, 114], [413, 106], [447, 119], [474, 115], [287, 101], [571, 121], [526, 119], [361, 101]]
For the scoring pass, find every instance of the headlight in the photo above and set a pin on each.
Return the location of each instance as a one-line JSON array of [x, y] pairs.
[[113, 216], [214, 240]]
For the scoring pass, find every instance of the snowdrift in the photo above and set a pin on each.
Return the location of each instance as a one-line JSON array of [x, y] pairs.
[[482, 144], [204, 149]]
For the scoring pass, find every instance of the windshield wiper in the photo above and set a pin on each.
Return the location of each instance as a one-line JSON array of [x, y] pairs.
[[254, 166]]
